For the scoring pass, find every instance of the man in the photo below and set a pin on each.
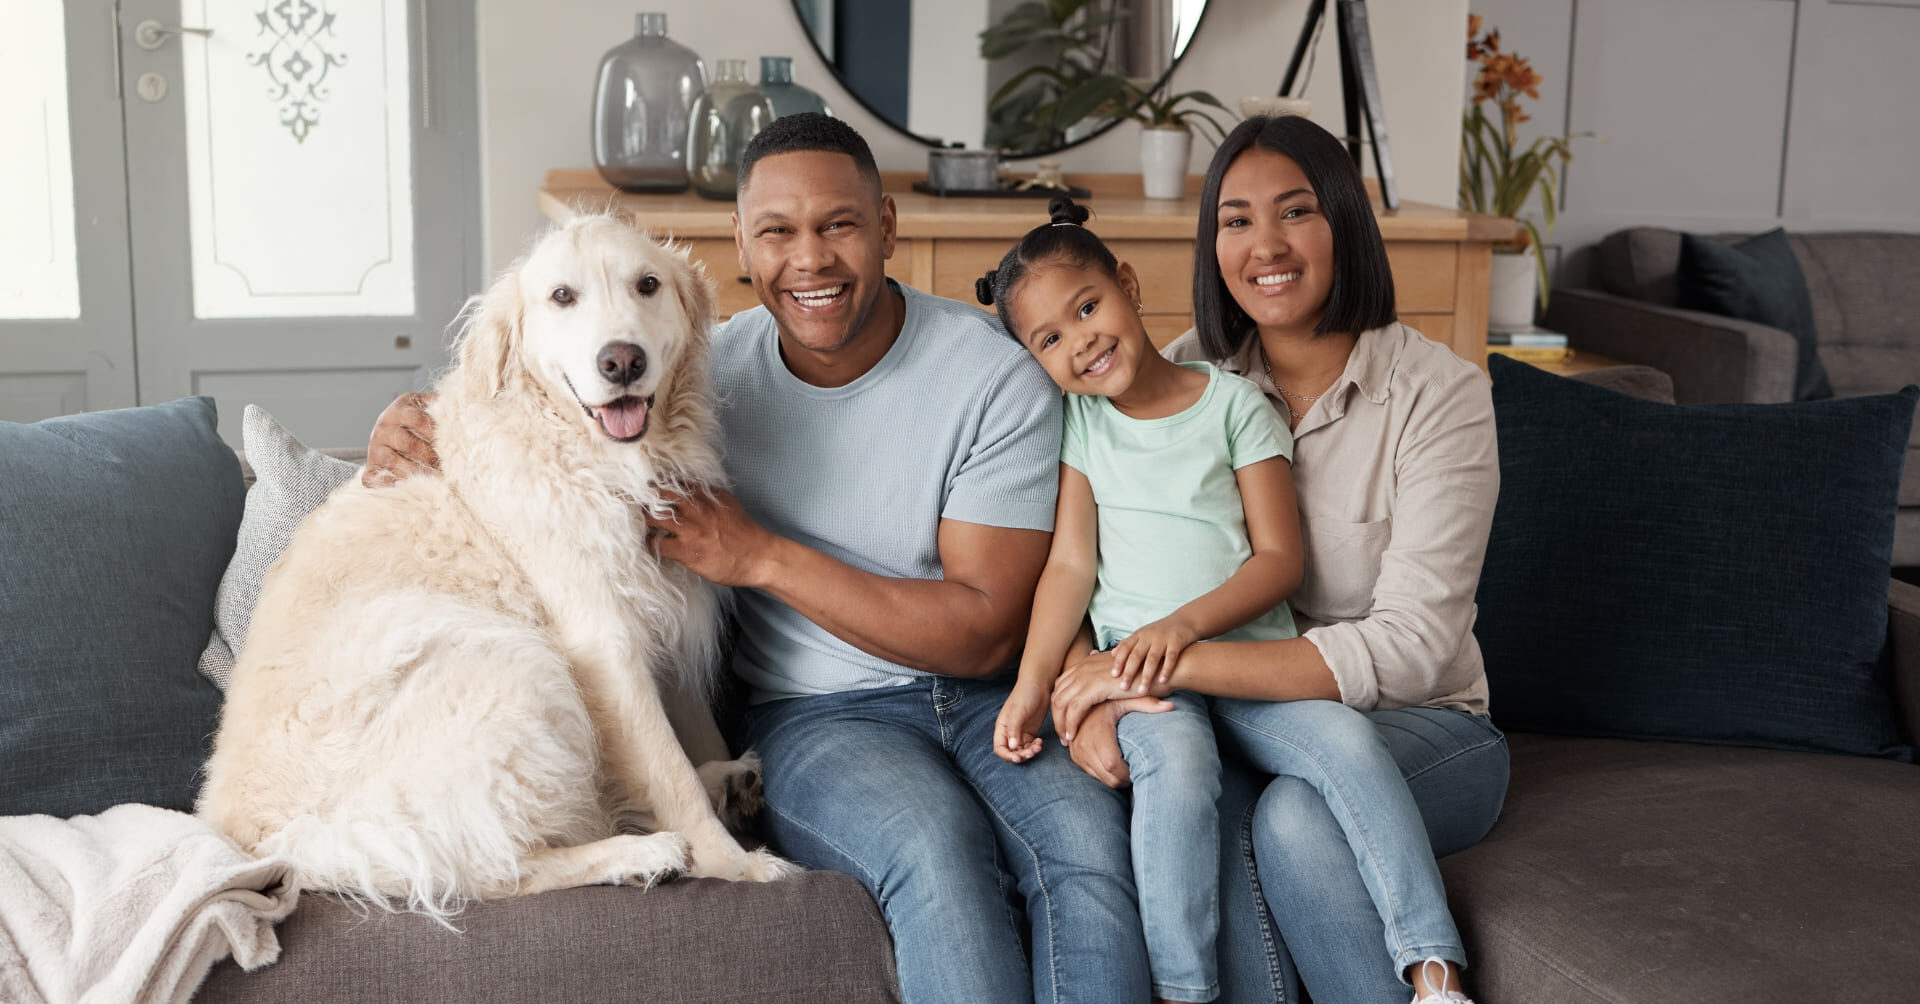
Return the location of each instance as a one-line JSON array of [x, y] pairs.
[[894, 457]]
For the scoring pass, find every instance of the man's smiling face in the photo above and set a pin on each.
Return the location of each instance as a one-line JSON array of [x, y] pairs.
[[814, 236]]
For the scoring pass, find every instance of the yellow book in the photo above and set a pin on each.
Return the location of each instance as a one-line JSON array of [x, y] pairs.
[[1530, 354]]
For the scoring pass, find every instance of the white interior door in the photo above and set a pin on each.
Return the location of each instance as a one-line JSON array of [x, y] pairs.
[[290, 220], [303, 198], [66, 315]]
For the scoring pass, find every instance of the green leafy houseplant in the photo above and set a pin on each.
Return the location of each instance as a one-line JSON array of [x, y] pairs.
[[1074, 77], [1497, 174]]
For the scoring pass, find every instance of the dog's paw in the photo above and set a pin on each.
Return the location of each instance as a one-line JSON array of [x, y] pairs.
[[645, 860], [765, 866], [733, 786]]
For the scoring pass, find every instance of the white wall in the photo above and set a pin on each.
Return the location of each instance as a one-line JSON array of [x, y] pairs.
[[538, 59]]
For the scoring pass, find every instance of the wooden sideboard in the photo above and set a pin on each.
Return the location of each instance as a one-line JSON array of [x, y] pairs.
[[1440, 257]]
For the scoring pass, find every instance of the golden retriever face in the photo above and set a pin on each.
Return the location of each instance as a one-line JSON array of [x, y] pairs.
[[599, 315]]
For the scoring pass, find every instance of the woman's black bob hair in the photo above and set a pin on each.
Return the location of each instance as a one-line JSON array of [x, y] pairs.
[[1064, 238], [1362, 294]]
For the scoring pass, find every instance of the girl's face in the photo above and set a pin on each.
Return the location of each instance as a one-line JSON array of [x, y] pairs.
[[1083, 325], [1274, 244]]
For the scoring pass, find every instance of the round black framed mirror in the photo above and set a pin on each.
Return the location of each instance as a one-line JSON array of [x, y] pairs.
[[1028, 77]]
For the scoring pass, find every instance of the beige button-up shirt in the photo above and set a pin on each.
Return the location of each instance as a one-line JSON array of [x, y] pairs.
[[1397, 471]]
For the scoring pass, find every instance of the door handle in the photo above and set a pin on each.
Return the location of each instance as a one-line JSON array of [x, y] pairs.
[[152, 35]]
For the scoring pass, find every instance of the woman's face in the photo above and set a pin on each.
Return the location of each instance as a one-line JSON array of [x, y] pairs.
[[1275, 245]]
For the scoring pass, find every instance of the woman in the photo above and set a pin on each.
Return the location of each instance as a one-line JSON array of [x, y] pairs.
[[1373, 721]]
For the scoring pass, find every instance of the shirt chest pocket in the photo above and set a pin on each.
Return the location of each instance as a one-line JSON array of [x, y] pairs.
[[1343, 565]]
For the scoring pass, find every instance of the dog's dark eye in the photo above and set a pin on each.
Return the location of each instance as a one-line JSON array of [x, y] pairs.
[[563, 296], [649, 285]]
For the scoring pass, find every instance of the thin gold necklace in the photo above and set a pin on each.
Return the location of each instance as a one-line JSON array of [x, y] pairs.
[[1267, 365]]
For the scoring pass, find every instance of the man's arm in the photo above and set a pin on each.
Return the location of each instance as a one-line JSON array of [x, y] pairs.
[[969, 623]]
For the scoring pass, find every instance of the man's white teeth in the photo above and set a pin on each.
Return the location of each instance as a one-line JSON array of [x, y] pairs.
[[816, 297], [1275, 280]]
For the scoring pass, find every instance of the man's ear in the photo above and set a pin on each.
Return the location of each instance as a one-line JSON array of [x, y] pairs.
[[491, 336], [739, 241], [889, 225]]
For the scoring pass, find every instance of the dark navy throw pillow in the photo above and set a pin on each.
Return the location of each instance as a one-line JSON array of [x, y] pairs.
[[1705, 573], [115, 527], [1756, 280]]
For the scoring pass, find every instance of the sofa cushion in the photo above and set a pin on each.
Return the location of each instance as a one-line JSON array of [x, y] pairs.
[[1756, 280], [1866, 305], [114, 529], [1707, 573], [817, 936], [290, 481], [1671, 874]]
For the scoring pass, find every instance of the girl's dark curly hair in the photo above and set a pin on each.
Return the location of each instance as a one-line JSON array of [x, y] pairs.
[[1064, 239]]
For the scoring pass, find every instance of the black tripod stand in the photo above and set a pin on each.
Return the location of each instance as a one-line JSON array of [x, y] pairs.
[[1359, 85]]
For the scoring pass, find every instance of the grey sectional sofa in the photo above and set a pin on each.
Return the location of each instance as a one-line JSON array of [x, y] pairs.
[[1620, 871], [1865, 289]]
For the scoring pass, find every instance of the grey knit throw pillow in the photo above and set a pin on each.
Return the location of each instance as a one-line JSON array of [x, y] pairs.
[[290, 482]]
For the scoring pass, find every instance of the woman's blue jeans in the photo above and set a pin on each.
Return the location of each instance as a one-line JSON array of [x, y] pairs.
[[900, 788], [1328, 869]]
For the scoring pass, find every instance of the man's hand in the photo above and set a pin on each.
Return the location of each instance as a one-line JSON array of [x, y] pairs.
[[713, 537], [1147, 655], [1097, 748], [1016, 734], [402, 442], [1088, 684]]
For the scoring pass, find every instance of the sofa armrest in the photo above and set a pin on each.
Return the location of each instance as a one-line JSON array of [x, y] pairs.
[[1711, 359], [1903, 639]]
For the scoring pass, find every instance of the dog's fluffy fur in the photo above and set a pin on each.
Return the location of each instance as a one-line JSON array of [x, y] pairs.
[[452, 688]]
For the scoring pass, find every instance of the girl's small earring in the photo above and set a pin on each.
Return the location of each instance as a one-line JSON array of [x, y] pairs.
[[1140, 308]]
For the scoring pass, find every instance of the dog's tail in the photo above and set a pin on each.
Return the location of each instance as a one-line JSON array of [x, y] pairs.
[[398, 867]]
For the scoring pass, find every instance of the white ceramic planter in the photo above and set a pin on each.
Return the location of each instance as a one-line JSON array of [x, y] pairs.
[[1510, 305], [1163, 161]]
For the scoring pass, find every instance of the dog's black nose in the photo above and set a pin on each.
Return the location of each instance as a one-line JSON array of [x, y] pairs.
[[622, 362]]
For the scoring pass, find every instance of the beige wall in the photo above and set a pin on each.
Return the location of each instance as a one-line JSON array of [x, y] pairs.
[[538, 58]]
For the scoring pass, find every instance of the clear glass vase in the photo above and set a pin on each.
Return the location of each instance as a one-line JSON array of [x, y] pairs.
[[642, 103], [724, 119], [787, 97]]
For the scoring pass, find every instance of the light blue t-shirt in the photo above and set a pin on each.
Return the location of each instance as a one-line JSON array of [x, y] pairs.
[[1172, 525], [956, 421]]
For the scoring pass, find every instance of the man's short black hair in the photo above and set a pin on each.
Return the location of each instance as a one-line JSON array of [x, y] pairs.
[[808, 131], [1362, 295]]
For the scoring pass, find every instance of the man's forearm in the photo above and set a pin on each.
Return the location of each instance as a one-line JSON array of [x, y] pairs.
[[935, 625]]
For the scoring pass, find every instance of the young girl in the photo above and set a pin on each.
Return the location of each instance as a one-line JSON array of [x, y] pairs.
[[1176, 524]]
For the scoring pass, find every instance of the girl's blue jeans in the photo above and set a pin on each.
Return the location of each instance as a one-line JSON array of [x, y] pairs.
[[1175, 765]]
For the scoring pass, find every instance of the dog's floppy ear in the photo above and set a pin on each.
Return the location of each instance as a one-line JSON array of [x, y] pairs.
[[491, 335], [697, 294]]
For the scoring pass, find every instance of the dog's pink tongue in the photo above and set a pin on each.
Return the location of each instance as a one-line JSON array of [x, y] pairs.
[[623, 419]]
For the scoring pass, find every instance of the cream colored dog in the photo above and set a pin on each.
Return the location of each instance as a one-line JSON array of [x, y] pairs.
[[452, 689]]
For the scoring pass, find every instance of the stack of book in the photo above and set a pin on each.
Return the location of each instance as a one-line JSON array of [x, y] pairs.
[[1532, 346]]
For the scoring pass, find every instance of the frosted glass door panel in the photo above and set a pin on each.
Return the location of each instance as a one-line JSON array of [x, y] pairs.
[[39, 273], [299, 160]]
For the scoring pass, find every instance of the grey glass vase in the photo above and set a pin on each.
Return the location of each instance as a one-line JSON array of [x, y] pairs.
[[787, 97], [641, 106], [724, 119]]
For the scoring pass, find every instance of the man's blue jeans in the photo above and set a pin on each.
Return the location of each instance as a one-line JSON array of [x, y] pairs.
[[1298, 893], [900, 788]]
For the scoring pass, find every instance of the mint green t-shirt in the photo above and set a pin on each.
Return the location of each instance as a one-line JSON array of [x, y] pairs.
[[1171, 524]]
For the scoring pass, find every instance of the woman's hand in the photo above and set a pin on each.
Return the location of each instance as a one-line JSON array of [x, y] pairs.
[[1088, 683], [1147, 655], [1097, 750], [1016, 734], [402, 442]]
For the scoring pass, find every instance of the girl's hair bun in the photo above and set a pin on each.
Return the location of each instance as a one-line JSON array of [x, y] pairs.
[[1063, 210], [983, 287]]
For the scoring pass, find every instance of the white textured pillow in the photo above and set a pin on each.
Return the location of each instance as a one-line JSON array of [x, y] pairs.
[[290, 481]]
